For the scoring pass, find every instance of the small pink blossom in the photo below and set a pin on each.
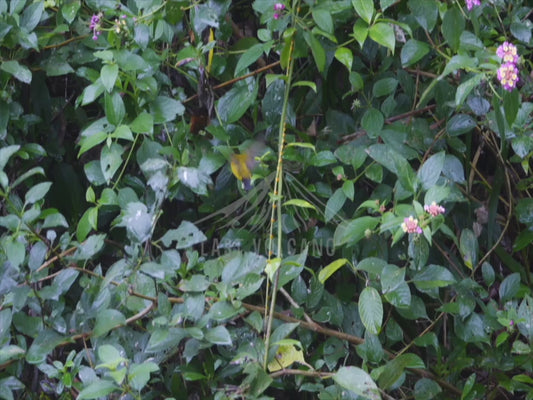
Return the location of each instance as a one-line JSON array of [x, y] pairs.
[[508, 53], [278, 7], [471, 3], [410, 225], [508, 76], [95, 25], [95, 20], [434, 209]]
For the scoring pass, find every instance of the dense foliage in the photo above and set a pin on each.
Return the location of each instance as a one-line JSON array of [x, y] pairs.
[[304, 199]]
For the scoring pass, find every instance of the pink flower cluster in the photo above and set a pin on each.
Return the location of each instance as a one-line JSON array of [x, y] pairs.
[[410, 225], [434, 209], [508, 72], [96, 19], [471, 3], [508, 53], [278, 7]]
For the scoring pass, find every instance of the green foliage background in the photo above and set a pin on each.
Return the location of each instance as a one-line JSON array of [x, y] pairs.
[[134, 265]]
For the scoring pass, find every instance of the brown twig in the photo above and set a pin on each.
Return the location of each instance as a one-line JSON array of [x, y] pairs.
[[390, 120], [239, 78]]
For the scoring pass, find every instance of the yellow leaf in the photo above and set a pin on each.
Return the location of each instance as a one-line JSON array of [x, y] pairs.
[[285, 357]]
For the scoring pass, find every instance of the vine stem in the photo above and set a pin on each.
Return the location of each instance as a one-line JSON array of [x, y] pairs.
[[276, 209]]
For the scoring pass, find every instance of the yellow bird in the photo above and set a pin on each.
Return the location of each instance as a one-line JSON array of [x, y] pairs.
[[243, 165]]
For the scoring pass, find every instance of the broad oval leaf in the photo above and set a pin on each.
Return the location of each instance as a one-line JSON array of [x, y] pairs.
[[354, 230], [383, 34], [371, 309]]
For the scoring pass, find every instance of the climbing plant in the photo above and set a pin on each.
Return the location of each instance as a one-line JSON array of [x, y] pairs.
[[219, 199]]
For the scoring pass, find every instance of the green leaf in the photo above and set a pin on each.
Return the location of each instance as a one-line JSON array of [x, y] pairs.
[[360, 31], [19, 72], [222, 311], [323, 19], [319, 54], [197, 283], [98, 388], [426, 389], [364, 8], [430, 171], [186, 235], [70, 9], [109, 356], [37, 192], [299, 203], [391, 278], [137, 221], [413, 51], [311, 85], [425, 12], [143, 123], [14, 251], [10, 352], [195, 179], [122, 132], [218, 335], [334, 204], [32, 16], [236, 101], [453, 169], [372, 122], [114, 108], [459, 62], [357, 381], [5, 154], [511, 105], [383, 34], [89, 247], [165, 109], [464, 89], [469, 248], [524, 211], [142, 35], [371, 309], [107, 320], [111, 160], [91, 93], [139, 374], [521, 30], [384, 87], [394, 369], [251, 55], [128, 61], [330, 269], [453, 25], [108, 76], [88, 142], [385, 155], [345, 57], [433, 276], [348, 188], [460, 124], [509, 287], [45, 342], [350, 232]]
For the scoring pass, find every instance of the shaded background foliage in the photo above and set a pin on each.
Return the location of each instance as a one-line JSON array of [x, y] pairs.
[[135, 265]]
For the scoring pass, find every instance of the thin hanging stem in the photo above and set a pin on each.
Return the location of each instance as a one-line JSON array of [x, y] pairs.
[[276, 207]]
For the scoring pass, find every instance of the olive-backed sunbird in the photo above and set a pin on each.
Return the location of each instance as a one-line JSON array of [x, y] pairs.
[[243, 165]]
